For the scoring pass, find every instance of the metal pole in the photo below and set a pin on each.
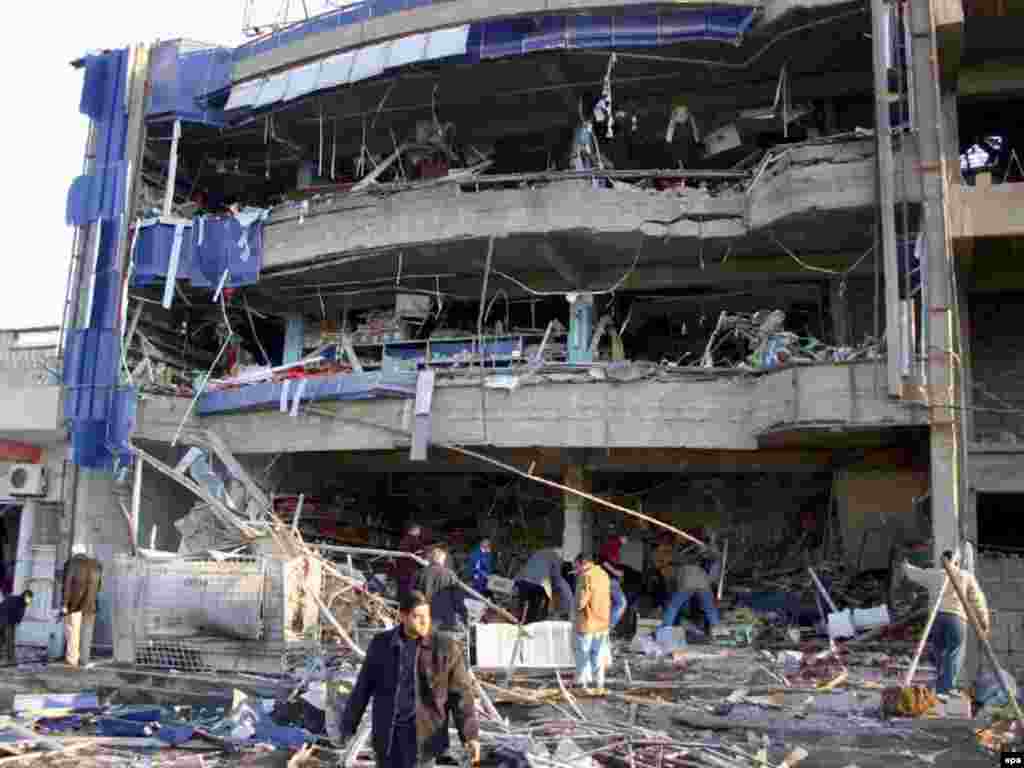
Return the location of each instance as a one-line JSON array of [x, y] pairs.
[[886, 196], [924, 637], [172, 169]]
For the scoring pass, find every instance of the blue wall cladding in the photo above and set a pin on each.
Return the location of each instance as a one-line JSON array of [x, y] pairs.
[[100, 412], [154, 243], [183, 77], [641, 27], [221, 243]]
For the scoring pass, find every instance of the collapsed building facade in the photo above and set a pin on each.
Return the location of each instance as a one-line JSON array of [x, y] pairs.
[[737, 265]]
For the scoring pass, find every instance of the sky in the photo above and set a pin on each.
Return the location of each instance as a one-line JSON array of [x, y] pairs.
[[42, 134]]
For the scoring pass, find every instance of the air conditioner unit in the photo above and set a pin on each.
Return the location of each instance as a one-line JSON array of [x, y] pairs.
[[27, 480]]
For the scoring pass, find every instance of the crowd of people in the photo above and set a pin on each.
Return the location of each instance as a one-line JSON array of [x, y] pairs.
[[594, 592]]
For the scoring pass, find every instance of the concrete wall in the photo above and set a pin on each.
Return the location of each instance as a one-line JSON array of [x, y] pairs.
[[876, 511], [1002, 579]]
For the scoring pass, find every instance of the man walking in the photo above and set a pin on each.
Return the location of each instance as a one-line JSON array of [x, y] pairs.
[[593, 618], [83, 577], [537, 581], [949, 632], [415, 676], [690, 580], [443, 591], [12, 613]]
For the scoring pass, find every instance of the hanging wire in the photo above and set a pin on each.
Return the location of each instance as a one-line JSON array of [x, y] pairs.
[[611, 289]]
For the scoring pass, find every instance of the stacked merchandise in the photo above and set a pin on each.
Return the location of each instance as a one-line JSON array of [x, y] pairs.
[[380, 327]]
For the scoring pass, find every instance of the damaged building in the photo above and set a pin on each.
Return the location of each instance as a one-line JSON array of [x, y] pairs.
[[743, 266]]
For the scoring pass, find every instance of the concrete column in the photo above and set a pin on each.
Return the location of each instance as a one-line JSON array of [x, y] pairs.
[[581, 327], [840, 314], [294, 334], [886, 191], [939, 309], [578, 532]]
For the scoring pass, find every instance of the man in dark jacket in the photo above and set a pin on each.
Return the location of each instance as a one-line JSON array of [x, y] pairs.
[[83, 577], [441, 588], [415, 677], [12, 612]]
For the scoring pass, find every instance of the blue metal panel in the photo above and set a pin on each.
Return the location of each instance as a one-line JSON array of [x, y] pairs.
[[550, 34], [443, 43], [409, 50], [581, 328], [591, 32], [294, 333], [683, 25], [336, 70], [221, 250], [153, 253], [302, 81], [244, 95], [273, 90], [370, 62], [181, 78]]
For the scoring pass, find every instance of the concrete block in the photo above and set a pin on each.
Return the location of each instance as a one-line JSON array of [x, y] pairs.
[[989, 572], [1014, 623], [1001, 624]]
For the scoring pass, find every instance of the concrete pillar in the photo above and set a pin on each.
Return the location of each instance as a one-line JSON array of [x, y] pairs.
[[578, 533], [294, 335], [581, 327], [886, 191], [840, 314]]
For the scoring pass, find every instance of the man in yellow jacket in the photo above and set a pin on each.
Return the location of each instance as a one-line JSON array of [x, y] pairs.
[[593, 619]]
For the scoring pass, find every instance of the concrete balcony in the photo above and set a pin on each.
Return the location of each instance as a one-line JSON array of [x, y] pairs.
[[662, 410], [821, 196]]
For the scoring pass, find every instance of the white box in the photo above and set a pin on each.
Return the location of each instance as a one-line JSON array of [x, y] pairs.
[[550, 647]]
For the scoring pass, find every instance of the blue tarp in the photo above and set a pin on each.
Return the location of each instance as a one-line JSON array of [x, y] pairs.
[[101, 413], [341, 386], [183, 75]]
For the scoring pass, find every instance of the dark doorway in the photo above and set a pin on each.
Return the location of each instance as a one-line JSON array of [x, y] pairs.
[[999, 525]]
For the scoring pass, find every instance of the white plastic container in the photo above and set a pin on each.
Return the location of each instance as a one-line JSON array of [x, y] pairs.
[[871, 618]]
